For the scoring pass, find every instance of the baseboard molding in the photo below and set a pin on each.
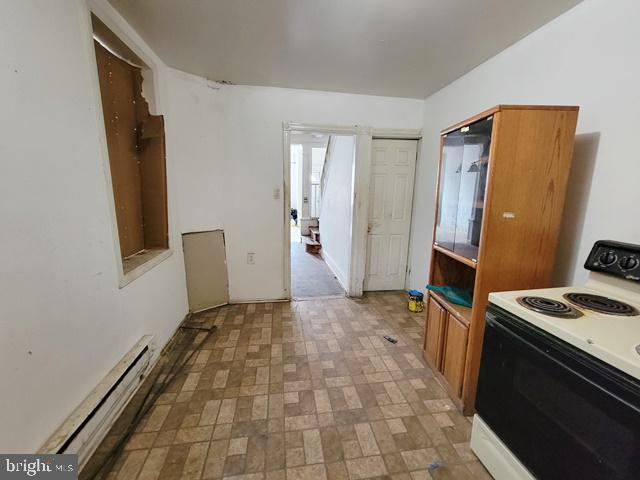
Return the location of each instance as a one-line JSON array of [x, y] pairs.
[[275, 300], [341, 277], [210, 308]]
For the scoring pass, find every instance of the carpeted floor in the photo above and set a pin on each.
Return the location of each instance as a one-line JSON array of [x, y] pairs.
[[310, 275]]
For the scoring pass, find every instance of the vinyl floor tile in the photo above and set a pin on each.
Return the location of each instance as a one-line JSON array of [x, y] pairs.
[[302, 390]]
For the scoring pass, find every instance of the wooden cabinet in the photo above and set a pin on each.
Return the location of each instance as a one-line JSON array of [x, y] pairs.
[[455, 352], [500, 197], [445, 346], [434, 332]]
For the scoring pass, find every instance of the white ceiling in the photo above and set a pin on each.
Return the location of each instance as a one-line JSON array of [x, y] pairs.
[[402, 48]]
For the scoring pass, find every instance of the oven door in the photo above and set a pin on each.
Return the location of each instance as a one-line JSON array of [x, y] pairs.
[[563, 413]]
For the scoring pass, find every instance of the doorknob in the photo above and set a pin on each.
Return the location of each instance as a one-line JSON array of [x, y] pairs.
[[369, 228]]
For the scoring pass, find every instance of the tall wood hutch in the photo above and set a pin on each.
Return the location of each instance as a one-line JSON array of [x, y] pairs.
[[501, 188]]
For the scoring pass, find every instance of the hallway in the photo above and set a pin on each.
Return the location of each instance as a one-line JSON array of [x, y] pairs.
[[310, 275], [304, 390]]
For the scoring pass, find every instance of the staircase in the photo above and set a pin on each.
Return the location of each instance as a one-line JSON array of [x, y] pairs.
[[312, 243]]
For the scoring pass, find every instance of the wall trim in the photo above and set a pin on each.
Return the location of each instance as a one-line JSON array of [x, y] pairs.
[[275, 300], [397, 133], [286, 210], [410, 247], [328, 129], [155, 258], [340, 275], [360, 213], [360, 201]]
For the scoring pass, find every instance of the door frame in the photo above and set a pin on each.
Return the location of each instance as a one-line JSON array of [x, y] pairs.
[[364, 136]]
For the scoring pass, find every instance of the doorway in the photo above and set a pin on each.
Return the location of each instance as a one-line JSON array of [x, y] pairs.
[[320, 172], [354, 258]]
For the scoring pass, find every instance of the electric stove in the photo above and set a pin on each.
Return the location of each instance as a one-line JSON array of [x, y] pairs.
[[559, 387]]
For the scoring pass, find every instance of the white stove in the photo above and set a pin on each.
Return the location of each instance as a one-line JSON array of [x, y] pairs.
[[559, 387], [613, 338]]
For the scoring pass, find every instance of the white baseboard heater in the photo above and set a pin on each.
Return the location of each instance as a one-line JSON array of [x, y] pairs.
[[87, 426]]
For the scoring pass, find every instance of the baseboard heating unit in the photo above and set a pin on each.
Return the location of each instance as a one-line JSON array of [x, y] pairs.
[[85, 428]]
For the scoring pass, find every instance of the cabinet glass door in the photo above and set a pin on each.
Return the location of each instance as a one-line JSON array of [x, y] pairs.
[[472, 180], [449, 189]]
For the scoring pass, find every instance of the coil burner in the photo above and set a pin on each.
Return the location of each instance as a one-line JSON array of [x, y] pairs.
[[600, 304], [549, 306]]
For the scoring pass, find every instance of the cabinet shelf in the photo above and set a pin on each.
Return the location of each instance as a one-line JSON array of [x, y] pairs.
[[467, 261], [461, 312]]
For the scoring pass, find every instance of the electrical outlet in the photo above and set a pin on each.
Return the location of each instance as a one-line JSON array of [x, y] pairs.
[[251, 258], [276, 193]]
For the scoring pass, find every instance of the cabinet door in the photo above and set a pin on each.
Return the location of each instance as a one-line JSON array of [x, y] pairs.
[[455, 352], [449, 189], [473, 180], [434, 333]]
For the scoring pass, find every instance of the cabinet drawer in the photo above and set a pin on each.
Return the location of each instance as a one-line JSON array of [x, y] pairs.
[[434, 333], [455, 353]]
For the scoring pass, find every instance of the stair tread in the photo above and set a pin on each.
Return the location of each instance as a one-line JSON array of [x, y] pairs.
[[309, 241]]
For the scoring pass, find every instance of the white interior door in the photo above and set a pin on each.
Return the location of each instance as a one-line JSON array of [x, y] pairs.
[[390, 197]]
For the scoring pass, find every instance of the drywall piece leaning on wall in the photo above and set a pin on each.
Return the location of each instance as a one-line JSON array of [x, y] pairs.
[[205, 266]]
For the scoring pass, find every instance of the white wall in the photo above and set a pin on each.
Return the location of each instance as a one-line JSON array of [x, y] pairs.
[[586, 57], [335, 219], [230, 139], [64, 321]]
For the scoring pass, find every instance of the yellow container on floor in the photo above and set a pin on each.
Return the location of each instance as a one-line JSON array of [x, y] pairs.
[[416, 301]]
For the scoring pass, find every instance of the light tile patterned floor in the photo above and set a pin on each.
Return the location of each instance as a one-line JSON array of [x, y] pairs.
[[305, 390]]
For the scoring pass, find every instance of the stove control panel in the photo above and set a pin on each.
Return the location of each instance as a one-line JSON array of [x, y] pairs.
[[615, 258]]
